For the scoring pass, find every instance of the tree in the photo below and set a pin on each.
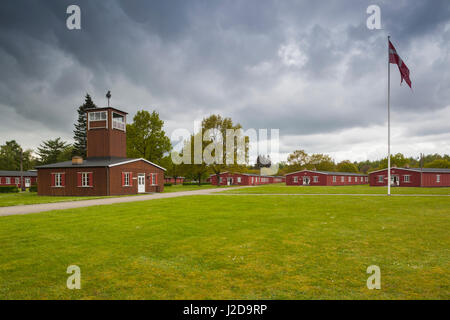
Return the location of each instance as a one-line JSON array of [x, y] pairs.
[[438, 163], [80, 132], [195, 171], [146, 137], [173, 170], [321, 162], [300, 160], [398, 160], [215, 129], [297, 160], [346, 166], [52, 151], [10, 154]]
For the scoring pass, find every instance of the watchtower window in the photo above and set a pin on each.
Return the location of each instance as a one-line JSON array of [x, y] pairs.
[[97, 116], [118, 121]]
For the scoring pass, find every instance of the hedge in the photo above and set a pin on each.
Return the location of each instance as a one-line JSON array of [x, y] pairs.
[[33, 188], [8, 189], [167, 184]]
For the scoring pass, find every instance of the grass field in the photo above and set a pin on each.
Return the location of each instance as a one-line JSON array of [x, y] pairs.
[[17, 199], [180, 187], [22, 198], [232, 247], [282, 188]]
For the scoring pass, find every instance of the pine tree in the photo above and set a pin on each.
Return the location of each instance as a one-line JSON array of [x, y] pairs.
[[80, 132]]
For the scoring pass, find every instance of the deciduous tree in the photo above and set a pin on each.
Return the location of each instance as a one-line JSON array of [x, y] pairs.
[[146, 137]]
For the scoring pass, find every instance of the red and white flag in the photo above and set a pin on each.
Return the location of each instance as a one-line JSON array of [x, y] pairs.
[[395, 59]]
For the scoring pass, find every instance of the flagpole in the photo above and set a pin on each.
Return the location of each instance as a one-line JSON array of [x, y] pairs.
[[389, 122]]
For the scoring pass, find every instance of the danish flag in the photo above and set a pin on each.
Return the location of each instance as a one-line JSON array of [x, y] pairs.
[[395, 59]]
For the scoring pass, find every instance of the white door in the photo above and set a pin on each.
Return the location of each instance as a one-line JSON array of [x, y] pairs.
[[27, 182], [395, 180], [141, 183], [306, 180]]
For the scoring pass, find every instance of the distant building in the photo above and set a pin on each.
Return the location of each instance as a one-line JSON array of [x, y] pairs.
[[12, 178], [324, 178], [106, 169], [177, 180], [411, 177], [243, 179]]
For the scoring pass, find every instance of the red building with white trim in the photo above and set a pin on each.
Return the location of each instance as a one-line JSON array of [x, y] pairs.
[[177, 180], [411, 177], [324, 178], [106, 169], [243, 179], [12, 178]]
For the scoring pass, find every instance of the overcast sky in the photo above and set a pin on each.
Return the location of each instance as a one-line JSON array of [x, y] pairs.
[[311, 69]]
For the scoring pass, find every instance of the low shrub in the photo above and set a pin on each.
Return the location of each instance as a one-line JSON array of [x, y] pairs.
[[8, 189], [33, 188], [167, 184]]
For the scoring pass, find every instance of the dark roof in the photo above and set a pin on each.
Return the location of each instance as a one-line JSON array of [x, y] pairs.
[[104, 109], [332, 173], [428, 170], [96, 162], [4, 173]]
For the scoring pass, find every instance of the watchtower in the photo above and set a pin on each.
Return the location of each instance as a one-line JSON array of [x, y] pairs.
[[106, 133]]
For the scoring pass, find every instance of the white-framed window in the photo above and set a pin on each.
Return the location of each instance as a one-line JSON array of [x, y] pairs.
[[349, 179], [85, 179], [97, 116], [27, 180], [239, 179], [153, 179], [334, 178], [295, 179], [367, 179], [438, 178], [58, 180], [17, 180], [342, 179], [220, 179], [126, 179], [316, 179], [8, 180], [118, 121], [380, 178], [406, 178]]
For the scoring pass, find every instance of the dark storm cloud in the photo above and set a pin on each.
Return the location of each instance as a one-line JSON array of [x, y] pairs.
[[305, 67]]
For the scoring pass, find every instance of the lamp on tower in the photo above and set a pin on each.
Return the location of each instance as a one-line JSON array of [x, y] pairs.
[[108, 96]]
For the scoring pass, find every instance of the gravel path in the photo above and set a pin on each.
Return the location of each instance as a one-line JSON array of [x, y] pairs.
[[34, 208]]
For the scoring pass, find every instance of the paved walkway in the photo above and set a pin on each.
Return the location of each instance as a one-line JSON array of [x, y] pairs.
[[34, 208], [334, 194]]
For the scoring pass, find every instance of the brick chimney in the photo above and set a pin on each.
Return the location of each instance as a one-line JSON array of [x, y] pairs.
[[76, 160]]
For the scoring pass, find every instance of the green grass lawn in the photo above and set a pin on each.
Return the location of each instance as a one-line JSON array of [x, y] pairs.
[[362, 189], [22, 198], [180, 187], [232, 247], [17, 199]]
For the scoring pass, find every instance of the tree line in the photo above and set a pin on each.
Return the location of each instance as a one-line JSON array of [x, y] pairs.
[[147, 139]]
